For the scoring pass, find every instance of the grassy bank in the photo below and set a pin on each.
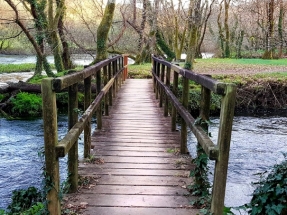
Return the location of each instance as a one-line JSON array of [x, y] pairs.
[[261, 84], [10, 68]]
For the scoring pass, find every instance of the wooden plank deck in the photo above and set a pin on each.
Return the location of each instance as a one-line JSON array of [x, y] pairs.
[[136, 172]]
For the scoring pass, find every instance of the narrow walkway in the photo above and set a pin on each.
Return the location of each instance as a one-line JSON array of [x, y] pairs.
[[138, 170]]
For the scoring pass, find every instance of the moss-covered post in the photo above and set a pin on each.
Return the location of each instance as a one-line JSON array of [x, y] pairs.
[[167, 83], [87, 130], [224, 137], [110, 93], [204, 116], [154, 70], [175, 92], [106, 96], [51, 140], [99, 88], [162, 73], [115, 86], [73, 152], [183, 132], [157, 85]]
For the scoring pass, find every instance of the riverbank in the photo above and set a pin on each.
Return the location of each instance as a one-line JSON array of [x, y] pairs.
[[261, 84]]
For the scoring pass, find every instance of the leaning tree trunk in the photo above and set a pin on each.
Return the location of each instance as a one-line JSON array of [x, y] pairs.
[[66, 55], [52, 34], [32, 40], [103, 31]]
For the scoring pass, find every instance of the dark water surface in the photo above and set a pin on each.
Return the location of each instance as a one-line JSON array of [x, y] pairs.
[[257, 144]]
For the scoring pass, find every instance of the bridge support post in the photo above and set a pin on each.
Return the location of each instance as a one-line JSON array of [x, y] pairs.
[[167, 82], [110, 93], [87, 130], [73, 152], [162, 73], [126, 66], [185, 98], [99, 110], [51, 140], [175, 91], [106, 96], [224, 137]]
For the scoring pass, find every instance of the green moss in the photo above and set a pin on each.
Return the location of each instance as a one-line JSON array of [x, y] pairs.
[[10, 68], [26, 105]]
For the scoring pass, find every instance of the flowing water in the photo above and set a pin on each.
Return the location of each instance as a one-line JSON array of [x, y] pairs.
[[257, 144]]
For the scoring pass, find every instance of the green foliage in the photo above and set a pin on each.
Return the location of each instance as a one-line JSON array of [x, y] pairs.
[[26, 104], [10, 68], [269, 197], [140, 71], [2, 96], [163, 46], [23, 200]]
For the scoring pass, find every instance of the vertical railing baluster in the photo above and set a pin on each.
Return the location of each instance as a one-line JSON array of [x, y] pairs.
[[157, 72], [73, 152], [99, 110], [224, 138], [167, 82], [162, 73], [51, 140], [175, 92], [183, 132], [87, 130], [110, 93], [106, 100]]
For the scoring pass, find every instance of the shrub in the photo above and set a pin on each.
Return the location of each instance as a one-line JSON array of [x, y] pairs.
[[25, 200], [26, 104], [270, 194]]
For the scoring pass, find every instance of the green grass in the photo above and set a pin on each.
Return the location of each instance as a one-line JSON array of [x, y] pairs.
[[10, 68], [140, 71], [254, 61]]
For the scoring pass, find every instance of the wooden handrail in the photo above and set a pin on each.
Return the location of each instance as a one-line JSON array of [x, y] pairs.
[[218, 152], [113, 72]]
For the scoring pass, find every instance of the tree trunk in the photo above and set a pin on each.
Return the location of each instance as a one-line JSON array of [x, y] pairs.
[[66, 56], [103, 31], [280, 29], [268, 54], [226, 27], [52, 34], [32, 40]]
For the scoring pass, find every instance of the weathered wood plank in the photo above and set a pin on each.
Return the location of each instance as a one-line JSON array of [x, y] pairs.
[[137, 211]]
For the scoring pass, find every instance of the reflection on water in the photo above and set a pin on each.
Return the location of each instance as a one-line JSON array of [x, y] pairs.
[[256, 145]]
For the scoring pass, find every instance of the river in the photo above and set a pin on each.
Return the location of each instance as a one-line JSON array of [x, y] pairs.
[[257, 144]]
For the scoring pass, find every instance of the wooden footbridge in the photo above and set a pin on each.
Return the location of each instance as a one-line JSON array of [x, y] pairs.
[[141, 165]]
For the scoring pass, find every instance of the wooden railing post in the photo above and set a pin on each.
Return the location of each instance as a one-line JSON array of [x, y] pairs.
[[175, 91], [106, 96], [73, 153], [185, 98], [87, 130], [51, 140], [115, 82], [157, 72], [167, 82], [117, 78], [126, 66], [99, 111], [111, 90], [224, 137], [161, 90], [154, 69]]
